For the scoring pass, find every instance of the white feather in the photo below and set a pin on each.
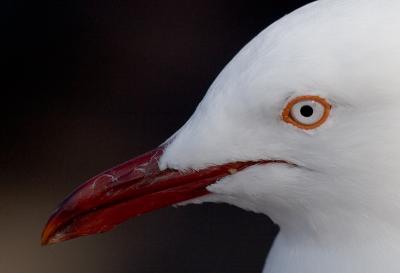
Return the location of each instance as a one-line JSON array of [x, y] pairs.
[[339, 210]]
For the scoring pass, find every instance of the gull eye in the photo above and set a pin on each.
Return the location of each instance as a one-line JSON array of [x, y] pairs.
[[306, 112]]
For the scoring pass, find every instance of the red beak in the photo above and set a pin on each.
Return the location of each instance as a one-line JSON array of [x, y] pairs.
[[128, 190]]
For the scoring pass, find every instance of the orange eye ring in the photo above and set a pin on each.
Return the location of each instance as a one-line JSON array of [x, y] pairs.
[[323, 106]]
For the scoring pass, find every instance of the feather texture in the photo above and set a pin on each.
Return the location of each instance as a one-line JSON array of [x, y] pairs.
[[338, 208]]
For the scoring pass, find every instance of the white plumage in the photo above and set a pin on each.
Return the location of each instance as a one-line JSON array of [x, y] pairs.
[[339, 207]]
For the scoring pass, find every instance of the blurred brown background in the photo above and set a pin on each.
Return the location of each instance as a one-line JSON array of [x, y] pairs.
[[90, 84]]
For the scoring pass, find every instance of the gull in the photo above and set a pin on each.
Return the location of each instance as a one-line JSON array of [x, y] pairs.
[[303, 125]]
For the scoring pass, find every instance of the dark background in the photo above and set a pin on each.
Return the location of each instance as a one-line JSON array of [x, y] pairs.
[[89, 84]]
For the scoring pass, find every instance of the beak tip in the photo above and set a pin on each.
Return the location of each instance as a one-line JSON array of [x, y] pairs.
[[46, 237], [49, 239], [50, 235]]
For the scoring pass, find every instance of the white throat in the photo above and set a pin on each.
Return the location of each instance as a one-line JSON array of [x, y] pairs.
[[370, 247], [353, 237]]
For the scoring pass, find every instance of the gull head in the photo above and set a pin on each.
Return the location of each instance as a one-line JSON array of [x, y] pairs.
[[302, 125], [346, 168]]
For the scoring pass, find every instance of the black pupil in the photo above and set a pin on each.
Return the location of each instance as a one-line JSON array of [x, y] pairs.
[[306, 111]]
